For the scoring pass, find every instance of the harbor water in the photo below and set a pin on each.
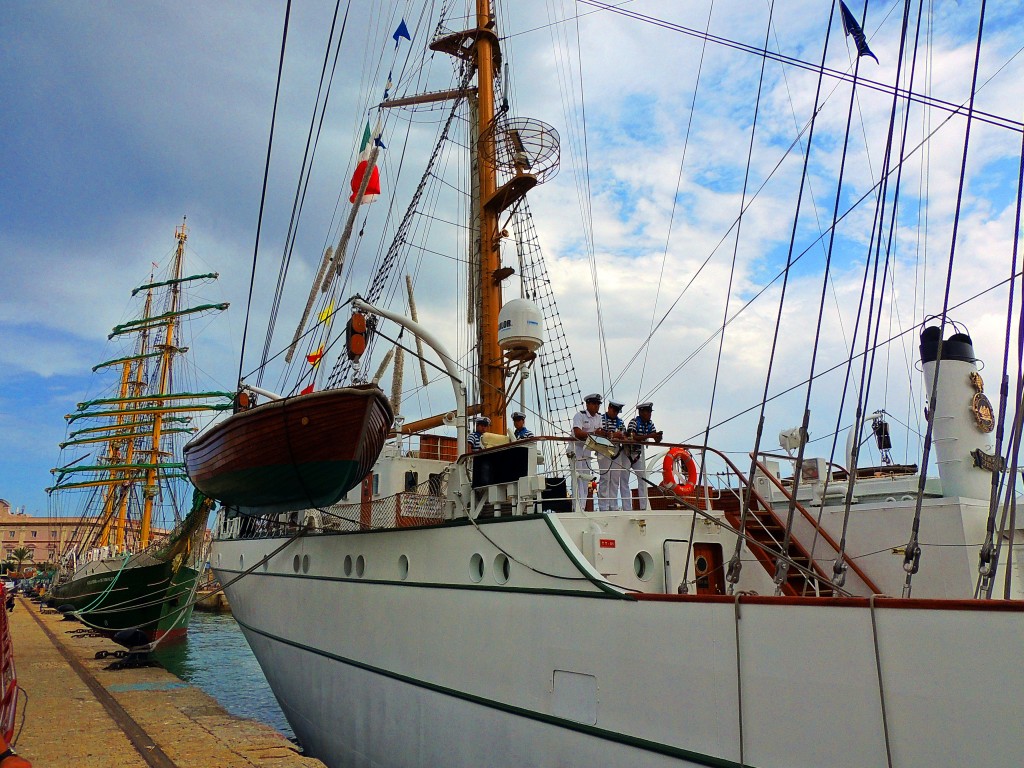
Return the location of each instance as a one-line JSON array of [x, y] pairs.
[[216, 658]]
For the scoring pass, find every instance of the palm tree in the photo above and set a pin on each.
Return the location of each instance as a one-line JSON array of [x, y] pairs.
[[19, 556]]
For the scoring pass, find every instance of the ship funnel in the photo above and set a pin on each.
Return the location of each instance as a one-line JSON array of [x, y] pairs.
[[964, 418]]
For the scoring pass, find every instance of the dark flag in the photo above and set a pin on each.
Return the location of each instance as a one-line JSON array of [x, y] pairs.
[[851, 27], [402, 31]]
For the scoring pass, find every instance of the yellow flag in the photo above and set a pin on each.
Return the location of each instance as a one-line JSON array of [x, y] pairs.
[[326, 314]]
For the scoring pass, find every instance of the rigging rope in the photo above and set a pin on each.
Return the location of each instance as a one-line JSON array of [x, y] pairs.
[[867, 366], [679, 183], [305, 172], [912, 558], [988, 557], [732, 575], [561, 388], [929, 101], [837, 366], [344, 369], [921, 146], [263, 194], [732, 275]]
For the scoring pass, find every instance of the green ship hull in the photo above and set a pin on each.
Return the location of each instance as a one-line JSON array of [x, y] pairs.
[[155, 598], [152, 590]]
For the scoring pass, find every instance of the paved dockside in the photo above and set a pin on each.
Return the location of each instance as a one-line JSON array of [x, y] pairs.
[[76, 713]]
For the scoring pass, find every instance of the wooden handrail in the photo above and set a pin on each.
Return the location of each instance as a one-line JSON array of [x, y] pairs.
[[809, 518]]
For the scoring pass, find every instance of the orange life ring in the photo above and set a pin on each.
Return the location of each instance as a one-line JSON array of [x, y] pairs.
[[668, 479]]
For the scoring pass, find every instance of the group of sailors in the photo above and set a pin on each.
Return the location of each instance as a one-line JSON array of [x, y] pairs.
[[475, 439], [613, 471]]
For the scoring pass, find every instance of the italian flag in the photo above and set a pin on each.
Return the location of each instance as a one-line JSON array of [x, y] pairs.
[[373, 186]]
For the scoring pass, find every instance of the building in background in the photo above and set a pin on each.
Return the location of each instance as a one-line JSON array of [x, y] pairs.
[[44, 537]]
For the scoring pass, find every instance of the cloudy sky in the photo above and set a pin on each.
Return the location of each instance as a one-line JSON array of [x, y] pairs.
[[120, 118]]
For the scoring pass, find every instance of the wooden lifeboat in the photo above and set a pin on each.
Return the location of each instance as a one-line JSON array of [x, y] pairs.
[[297, 452]]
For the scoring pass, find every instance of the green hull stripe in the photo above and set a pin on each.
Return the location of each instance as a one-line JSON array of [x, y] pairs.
[[432, 585], [604, 586], [601, 733]]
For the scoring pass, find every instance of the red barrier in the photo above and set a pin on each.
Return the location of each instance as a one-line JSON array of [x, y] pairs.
[[8, 678]]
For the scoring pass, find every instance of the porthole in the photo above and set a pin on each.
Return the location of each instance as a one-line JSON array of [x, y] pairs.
[[360, 566], [701, 564], [502, 568], [296, 562], [305, 563], [348, 565], [643, 566], [476, 568], [403, 567]]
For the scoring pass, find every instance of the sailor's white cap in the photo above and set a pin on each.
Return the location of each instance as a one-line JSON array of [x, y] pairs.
[[518, 415], [593, 397], [615, 404], [483, 420], [648, 405]]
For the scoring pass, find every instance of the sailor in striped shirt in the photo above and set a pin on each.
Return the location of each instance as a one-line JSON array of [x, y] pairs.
[[612, 472], [519, 422], [473, 441], [641, 428]]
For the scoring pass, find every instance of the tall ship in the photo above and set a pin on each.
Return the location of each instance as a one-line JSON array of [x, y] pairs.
[[141, 541], [536, 573]]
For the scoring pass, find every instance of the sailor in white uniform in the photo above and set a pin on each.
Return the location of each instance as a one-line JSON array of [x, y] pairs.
[[641, 428], [586, 422]]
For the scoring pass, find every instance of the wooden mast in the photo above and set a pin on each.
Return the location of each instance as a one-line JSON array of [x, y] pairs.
[[167, 349], [114, 457], [133, 387], [489, 356], [480, 46]]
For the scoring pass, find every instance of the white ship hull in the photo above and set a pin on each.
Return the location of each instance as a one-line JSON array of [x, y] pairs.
[[423, 661]]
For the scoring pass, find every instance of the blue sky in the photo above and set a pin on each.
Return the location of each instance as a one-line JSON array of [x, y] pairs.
[[119, 118]]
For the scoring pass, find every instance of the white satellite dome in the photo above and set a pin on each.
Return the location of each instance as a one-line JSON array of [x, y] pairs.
[[520, 326]]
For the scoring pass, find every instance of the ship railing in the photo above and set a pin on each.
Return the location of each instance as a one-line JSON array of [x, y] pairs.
[[506, 480], [419, 505]]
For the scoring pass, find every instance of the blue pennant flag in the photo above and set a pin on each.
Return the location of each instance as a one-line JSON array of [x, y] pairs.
[[402, 31], [852, 28]]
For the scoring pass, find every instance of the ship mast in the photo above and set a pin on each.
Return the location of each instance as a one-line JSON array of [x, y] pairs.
[[131, 387], [114, 458], [508, 158], [489, 355], [167, 351], [139, 420]]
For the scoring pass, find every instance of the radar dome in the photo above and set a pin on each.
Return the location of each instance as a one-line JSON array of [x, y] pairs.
[[520, 326]]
